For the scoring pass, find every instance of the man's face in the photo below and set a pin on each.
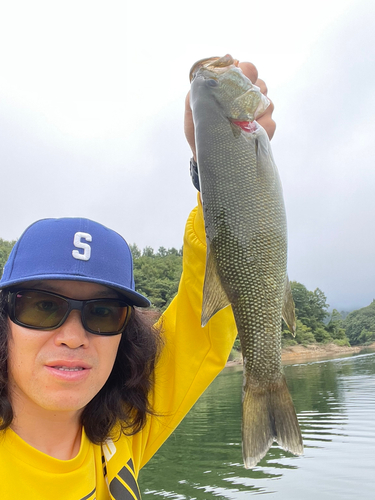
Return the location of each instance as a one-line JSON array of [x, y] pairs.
[[63, 369]]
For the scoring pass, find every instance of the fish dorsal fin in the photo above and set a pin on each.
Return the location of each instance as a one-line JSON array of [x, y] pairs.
[[214, 297], [288, 312]]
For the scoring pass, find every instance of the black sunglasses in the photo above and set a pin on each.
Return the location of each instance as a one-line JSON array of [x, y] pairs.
[[41, 310]]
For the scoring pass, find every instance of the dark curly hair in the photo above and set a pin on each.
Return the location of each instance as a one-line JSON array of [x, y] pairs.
[[124, 397]]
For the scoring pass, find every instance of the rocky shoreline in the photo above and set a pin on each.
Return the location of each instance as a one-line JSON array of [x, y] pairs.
[[313, 352]]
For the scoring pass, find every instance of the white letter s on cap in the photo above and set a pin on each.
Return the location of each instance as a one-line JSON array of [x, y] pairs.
[[79, 244]]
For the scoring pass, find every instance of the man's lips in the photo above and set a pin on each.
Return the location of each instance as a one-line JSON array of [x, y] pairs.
[[68, 370], [68, 364]]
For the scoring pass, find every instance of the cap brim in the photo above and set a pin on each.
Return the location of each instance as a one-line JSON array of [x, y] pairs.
[[133, 298]]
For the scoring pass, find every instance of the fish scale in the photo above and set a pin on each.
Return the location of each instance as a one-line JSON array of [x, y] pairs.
[[246, 246], [240, 275]]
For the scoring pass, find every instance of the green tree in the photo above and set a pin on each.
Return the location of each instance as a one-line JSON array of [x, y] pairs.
[[311, 310], [318, 304], [5, 249], [360, 324], [136, 253], [162, 252], [322, 336], [303, 336], [301, 301], [148, 252], [366, 337], [157, 275], [311, 307], [336, 329]]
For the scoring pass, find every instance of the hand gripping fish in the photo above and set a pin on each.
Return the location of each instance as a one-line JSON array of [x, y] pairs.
[[246, 245]]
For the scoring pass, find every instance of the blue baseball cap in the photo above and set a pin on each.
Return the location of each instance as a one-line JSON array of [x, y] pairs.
[[73, 249]]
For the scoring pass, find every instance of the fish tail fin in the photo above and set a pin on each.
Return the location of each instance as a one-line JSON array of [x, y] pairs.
[[268, 415]]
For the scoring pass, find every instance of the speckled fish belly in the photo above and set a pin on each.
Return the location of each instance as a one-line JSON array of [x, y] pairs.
[[246, 245]]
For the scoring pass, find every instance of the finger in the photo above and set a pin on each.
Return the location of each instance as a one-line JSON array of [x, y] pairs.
[[262, 85], [267, 122], [249, 70]]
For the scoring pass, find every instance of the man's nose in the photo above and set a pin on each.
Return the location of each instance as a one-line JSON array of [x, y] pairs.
[[72, 332]]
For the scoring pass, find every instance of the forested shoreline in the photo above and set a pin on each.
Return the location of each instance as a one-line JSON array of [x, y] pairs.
[[157, 274]]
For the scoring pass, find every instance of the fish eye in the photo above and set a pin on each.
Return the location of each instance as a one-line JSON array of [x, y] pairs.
[[212, 83]]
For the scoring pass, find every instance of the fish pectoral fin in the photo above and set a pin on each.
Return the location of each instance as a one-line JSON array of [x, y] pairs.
[[214, 296], [288, 311], [236, 130], [268, 415]]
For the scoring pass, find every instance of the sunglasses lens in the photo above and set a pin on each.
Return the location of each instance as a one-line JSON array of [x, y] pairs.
[[39, 309], [105, 316], [46, 311]]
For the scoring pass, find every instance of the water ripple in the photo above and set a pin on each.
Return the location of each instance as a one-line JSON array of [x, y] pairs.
[[335, 402]]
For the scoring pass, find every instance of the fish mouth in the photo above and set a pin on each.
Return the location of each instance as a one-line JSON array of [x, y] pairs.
[[212, 62]]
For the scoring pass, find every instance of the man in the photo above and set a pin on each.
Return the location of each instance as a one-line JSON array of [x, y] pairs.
[[89, 390]]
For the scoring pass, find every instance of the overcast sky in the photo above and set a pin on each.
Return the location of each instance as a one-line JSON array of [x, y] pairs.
[[91, 120]]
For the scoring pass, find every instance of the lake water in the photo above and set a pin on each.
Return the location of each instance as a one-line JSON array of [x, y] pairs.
[[335, 403]]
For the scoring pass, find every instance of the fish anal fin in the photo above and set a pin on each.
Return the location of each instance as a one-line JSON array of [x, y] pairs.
[[214, 296], [268, 415], [288, 311]]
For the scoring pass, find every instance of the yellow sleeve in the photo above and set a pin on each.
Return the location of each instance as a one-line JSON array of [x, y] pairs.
[[192, 356]]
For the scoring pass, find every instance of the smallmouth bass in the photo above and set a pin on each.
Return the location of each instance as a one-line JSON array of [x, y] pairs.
[[246, 245]]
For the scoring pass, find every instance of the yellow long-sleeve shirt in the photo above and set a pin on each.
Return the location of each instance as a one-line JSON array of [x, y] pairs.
[[192, 357]]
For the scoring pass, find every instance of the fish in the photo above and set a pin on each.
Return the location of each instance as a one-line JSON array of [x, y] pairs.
[[246, 234]]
